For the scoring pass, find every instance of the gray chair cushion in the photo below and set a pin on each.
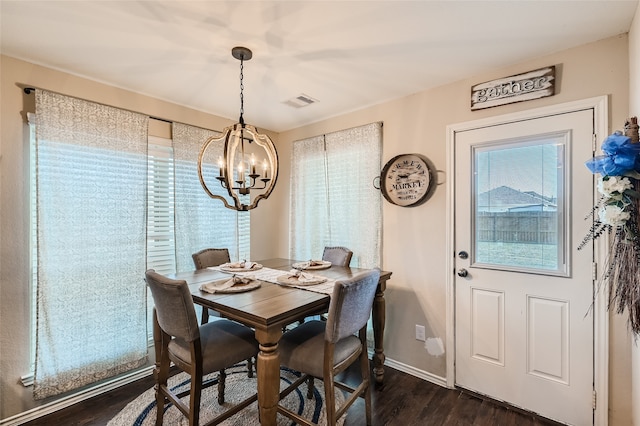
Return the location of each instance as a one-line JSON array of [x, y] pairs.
[[302, 348], [224, 343]]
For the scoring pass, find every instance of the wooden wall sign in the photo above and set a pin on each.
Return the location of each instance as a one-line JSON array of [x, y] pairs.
[[517, 88]]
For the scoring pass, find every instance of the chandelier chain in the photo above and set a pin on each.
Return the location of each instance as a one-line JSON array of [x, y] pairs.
[[241, 90]]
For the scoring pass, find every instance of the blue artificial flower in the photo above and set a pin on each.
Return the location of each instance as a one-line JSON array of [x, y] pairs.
[[621, 156]]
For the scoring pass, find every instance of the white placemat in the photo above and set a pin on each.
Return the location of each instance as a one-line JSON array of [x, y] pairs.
[[312, 264]]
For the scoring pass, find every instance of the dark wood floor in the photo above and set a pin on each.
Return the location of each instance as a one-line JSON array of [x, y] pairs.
[[402, 400]]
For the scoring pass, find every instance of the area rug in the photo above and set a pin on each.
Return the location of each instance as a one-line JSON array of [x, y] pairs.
[[142, 410]]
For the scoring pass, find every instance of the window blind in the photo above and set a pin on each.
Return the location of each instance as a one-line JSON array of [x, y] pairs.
[[160, 207]]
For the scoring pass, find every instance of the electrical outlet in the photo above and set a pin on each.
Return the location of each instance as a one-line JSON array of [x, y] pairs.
[[420, 333]]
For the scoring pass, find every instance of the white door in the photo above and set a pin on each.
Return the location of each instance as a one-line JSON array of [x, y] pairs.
[[523, 324]]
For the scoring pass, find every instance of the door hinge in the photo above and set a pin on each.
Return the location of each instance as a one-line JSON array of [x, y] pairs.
[[594, 144], [594, 399], [594, 271]]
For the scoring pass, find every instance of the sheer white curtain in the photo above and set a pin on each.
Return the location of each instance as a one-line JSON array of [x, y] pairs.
[[333, 201], [201, 221], [91, 204]]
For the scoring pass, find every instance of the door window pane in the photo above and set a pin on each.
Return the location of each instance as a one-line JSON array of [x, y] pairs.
[[519, 205]]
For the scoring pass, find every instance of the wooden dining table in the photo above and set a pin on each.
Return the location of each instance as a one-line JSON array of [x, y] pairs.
[[270, 307]]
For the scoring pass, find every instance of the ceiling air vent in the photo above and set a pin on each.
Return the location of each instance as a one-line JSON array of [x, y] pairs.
[[300, 101]]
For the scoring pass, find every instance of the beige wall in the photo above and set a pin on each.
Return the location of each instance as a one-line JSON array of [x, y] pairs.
[[414, 239], [634, 111]]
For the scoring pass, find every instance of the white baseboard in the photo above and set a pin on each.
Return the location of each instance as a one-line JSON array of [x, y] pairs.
[[68, 401], [421, 374]]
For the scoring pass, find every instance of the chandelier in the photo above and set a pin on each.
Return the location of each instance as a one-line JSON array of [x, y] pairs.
[[248, 165]]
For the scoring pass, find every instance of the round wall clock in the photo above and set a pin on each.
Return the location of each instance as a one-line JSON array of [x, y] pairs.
[[408, 180]]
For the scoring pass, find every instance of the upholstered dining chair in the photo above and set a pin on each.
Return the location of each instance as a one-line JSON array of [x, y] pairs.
[[210, 257], [205, 258], [339, 256], [214, 257], [196, 350], [323, 349]]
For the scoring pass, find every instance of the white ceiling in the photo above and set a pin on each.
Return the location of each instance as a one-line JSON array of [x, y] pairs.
[[346, 54]]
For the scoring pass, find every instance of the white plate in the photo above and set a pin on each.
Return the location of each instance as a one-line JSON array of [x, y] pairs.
[[301, 265], [237, 288], [232, 269], [289, 280]]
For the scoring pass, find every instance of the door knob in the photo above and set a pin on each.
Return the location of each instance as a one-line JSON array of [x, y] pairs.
[[463, 272]]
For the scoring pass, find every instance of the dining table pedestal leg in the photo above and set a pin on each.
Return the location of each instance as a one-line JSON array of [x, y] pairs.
[[268, 370]]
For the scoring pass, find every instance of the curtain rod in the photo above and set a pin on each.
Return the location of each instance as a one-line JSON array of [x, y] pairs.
[[380, 123], [29, 89], [324, 135]]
